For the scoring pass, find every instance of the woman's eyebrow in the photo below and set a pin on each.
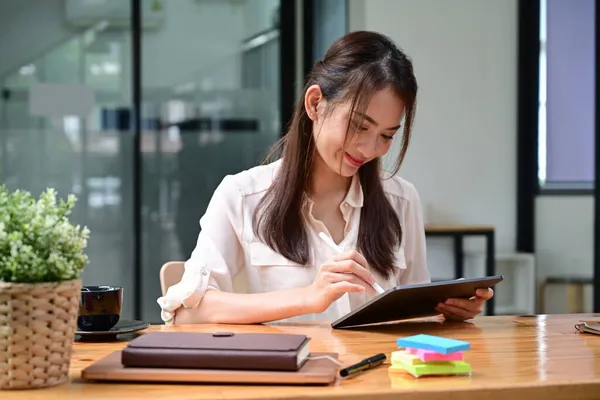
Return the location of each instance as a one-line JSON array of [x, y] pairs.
[[371, 120]]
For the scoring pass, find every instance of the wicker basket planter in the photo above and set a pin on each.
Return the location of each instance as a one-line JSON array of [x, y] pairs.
[[37, 328]]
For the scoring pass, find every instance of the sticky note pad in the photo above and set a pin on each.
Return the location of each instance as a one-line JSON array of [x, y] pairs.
[[441, 368], [433, 343], [402, 357], [430, 355]]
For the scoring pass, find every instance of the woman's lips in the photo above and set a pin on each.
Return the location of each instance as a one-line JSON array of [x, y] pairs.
[[353, 161]]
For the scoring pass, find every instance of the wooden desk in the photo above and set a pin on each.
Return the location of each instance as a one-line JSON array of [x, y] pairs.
[[457, 233], [512, 358]]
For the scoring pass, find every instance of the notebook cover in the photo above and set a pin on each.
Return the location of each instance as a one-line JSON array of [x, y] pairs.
[[110, 369], [258, 351]]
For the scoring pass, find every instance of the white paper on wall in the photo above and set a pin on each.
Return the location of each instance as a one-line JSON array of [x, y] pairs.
[[60, 100]]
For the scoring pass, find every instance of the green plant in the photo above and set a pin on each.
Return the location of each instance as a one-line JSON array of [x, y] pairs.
[[38, 243]]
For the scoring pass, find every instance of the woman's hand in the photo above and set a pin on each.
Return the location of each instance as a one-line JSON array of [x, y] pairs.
[[463, 309], [346, 272]]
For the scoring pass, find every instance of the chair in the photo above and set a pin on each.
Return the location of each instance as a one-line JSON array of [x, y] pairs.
[[170, 274]]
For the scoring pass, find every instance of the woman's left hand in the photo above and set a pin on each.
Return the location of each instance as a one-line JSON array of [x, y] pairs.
[[463, 309]]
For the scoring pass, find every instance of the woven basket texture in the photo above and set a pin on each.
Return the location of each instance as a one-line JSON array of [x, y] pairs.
[[37, 328]]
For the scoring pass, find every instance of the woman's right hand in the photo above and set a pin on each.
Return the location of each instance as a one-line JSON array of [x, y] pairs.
[[345, 272]]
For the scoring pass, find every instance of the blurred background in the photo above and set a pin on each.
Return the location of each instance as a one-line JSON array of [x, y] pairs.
[[141, 107]]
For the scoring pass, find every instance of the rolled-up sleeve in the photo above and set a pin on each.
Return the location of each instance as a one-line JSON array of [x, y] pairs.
[[415, 249], [218, 254]]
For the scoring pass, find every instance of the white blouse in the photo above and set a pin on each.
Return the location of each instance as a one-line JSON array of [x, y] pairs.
[[227, 245]]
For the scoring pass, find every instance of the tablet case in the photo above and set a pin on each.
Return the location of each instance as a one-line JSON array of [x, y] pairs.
[[312, 372], [221, 350], [412, 301]]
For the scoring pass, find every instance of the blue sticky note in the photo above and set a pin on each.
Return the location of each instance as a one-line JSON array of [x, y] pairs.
[[434, 343]]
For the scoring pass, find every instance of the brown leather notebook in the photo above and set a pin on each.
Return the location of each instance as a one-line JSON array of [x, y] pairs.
[[221, 350]]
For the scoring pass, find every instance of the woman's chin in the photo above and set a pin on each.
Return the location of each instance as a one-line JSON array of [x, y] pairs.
[[347, 171], [343, 169]]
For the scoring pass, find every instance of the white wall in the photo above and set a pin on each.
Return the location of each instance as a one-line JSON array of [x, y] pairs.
[[463, 155]]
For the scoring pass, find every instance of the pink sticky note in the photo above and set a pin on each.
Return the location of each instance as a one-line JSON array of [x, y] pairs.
[[429, 355]]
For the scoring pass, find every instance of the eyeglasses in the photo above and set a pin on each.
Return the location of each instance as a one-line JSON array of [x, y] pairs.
[[585, 327]]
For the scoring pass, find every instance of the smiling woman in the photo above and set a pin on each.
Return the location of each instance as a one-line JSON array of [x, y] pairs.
[[364, 80], [385, 106], [328, 180]]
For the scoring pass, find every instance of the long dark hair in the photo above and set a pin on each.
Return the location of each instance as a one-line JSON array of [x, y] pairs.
[[355, 67]]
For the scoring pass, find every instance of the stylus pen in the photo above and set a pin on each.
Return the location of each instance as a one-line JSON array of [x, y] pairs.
[[335, 247], [364, 365]]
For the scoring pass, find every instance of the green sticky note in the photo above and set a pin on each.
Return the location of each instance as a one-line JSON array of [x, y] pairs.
[[437, 368]]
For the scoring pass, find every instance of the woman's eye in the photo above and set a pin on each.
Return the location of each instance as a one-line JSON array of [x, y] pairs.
[[387, 137], [360, 127]]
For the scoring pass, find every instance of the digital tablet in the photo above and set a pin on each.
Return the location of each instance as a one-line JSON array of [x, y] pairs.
[[413, 301]]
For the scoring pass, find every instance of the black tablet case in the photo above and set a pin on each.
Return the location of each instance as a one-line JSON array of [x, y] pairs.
[[412, 301]]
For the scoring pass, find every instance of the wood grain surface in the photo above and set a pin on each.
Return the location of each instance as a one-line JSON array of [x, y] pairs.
[[539, 357]]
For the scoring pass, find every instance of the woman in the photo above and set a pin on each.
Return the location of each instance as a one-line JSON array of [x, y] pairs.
[[267, 220]]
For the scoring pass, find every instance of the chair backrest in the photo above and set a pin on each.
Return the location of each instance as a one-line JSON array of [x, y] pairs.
[[170, 274]]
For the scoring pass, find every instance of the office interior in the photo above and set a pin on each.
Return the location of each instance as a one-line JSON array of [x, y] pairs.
[[141, 107]]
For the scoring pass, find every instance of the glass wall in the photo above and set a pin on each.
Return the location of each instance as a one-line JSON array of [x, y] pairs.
[[210, 106], [330, 23], [59, 75]]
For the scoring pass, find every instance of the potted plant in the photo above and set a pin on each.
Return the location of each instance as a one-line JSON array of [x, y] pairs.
[[41, 258]]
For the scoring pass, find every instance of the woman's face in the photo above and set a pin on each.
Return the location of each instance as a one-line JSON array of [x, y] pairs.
[[372, 139]]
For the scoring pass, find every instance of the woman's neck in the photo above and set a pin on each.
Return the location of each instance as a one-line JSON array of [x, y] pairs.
[[324, 182]]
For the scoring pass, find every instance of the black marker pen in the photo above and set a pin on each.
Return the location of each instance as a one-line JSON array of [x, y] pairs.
[[364, 365]]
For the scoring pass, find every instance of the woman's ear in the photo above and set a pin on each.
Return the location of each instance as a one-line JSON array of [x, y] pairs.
[[311, 100]]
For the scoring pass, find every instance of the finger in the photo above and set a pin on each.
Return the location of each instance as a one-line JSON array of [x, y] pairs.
[[348, 277], [455, 312], [485, 294], [474, 306], [346, 287], [353, 255], [351, 266], [449, 316]]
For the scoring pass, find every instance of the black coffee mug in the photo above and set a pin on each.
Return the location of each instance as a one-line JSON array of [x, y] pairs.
[[99, 308]]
